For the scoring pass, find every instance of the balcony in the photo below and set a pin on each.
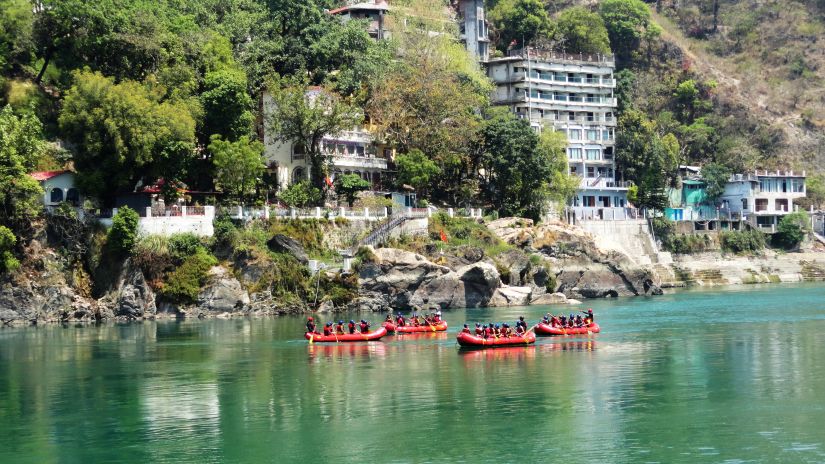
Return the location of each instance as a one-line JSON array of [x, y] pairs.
[[363, 162], [596, 183]]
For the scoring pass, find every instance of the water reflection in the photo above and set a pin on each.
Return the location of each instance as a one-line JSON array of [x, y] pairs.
[[659, 384]]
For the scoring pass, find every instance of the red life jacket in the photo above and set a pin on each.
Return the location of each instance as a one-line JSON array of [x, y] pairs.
[[364, 327], [479, 331], [466, 330], [351, 327], [339, 328], [327, 330]]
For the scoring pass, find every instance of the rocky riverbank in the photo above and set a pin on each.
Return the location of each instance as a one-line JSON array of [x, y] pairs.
[[552, 263]]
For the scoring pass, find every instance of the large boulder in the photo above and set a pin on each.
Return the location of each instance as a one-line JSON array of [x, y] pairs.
[[135, 299], [407, 279], [280, 243], [511, 296], [222, 293], [550, 299]]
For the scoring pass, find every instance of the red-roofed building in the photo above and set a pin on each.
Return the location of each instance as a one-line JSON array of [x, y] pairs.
[[58, 186]]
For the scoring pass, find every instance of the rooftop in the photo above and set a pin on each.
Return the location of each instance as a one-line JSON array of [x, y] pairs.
[[40, 176], [374, 5], [557, 56]]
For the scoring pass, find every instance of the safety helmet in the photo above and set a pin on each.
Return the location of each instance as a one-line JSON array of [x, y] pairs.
[[309, 318]]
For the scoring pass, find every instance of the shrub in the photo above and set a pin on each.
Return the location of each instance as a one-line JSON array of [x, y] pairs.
[[791, 230], [748, 241], [301, 194], [8, 263], [151, 254], [183, 284], [224, 228], [182, 246], [122, 235]]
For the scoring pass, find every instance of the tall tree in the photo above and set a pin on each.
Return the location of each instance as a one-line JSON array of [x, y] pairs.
[[20, 146], [302, 115], [628, 22], [416, 170], [238, 165], [347, 186], [226, 104], [582, 31], [520, 22], [123, 133]]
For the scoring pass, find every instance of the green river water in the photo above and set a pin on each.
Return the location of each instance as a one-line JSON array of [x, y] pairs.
[[734, 375]]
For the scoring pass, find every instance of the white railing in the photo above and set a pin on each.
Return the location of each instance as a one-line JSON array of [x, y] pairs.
[[597, 213]]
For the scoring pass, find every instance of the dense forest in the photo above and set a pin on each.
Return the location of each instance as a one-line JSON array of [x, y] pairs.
[[126, 92]]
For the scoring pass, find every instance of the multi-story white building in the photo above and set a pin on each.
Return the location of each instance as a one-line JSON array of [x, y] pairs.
[[763, 197], [352, 151], [572, 94]]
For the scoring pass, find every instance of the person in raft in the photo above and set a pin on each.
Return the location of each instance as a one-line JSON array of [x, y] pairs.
[[437, 317], [466, 329], [399, 320], [521, 324], [351, 326], [388, 318], [328, 329], [339, 329], [364, 326], [311, 325], [479, 330], [588, 316]]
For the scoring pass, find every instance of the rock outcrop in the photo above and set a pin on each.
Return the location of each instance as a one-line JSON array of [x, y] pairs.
[[404, 279], [222, 293], [134, 298], [280, 243], [579, 267]]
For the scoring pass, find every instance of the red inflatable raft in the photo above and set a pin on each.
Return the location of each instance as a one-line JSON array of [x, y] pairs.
[[545, 329], [356, 337], [440, 327], [470, 340]]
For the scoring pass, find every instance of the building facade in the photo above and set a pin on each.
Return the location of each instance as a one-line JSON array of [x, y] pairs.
[[472, 28], [763, 196], [572, 94], [353, 151], [58, 187], [373, 11]]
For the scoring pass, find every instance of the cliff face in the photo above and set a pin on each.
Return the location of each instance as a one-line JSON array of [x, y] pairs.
[[579, 267]]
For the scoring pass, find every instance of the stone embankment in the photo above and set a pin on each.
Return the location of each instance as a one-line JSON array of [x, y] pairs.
[[710, 269]]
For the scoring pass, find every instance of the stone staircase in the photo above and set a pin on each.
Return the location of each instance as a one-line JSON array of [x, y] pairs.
[[812, 272]]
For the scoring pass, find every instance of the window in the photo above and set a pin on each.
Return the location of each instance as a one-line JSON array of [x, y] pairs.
[[298, 175], [73, 197], [56, 195], [761, 204], [744, 204], [593, 154], [798, 185], [781, 204], [604, 202], [298, 151], [573, 170], [571, 116], [591, 172], [574, 153], [575, 134], [588, 200], [592, 134]]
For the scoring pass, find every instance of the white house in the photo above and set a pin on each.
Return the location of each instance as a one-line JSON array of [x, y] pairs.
[[763, 196], [58, 187], [352, 151]]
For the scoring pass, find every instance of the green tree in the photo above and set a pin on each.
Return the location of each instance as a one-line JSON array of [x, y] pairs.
[[16, 46], [20, 147], [520, 21], [628, 22], [226, 104], [238, 165], [123, 133], [583, 31], [8, 263], [517, 167], [716, 176], [347, 186], [814, 191], [416, 170], [552, 146], [300, 194], [625, 82], [303, 116], [122, 235], [646, 158], [792, 229]]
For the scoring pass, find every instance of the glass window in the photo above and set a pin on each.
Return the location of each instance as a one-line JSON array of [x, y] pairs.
[[575, 134], [591, 172], [574, 153], [593, 154], [592, 134], [57, 195]]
